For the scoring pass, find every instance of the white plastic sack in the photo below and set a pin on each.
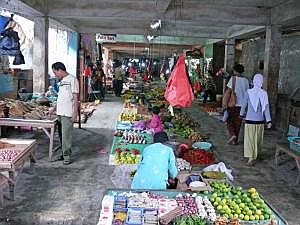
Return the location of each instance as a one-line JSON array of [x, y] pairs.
[[221, 168]]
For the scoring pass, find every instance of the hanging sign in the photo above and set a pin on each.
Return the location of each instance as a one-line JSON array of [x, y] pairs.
[[110, 38]]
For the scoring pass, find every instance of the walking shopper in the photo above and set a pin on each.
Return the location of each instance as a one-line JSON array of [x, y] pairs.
[[239, 85], [118, 81], [66, 109], [157, 164], [258, 112]]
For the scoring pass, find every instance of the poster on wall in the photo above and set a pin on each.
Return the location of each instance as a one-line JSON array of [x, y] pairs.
[[106, 38]]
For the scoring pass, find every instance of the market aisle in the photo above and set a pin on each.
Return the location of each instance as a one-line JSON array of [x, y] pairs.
[[277, 187], [50, 193]]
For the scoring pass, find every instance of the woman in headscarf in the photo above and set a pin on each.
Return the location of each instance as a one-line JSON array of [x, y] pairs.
[[257, 114]]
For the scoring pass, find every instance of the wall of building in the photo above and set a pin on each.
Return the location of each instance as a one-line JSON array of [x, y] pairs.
[[252, 54], [289, 78]]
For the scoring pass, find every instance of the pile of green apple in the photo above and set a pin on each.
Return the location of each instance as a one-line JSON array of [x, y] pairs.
[[238, 203], [125, 157]]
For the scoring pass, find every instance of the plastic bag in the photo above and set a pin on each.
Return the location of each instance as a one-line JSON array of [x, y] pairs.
[[221, 168], [179, 91], [225, 116]]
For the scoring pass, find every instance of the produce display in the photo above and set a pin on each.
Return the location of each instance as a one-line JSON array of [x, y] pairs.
[[26, 110], [133, 137], [205, 208], [8, 154], [127, 156], [148, 208], [196, 136], [186, 220], [182, 164], [214, 175], [238, 203], [128, 116]]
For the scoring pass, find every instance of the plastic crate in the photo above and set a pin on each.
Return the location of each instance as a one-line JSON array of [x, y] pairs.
[[138, 212], [122, 199], [293, 144]]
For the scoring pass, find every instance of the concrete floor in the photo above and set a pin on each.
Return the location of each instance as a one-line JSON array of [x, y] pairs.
[[50, 193]]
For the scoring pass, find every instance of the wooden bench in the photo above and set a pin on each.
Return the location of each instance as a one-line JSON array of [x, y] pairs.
[[3, 183], [284, 148]]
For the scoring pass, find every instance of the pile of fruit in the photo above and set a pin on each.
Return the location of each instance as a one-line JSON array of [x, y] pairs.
[[183, 131], [183, 118], [238, 203], [196, 136], [213, 175], [224, 221], [128, 116], [127, 156]]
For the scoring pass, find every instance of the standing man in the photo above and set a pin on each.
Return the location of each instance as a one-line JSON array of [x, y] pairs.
[[66, 109]]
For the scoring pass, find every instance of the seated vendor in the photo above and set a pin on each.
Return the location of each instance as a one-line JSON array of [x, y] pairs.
[[155, 124], [158, 163]]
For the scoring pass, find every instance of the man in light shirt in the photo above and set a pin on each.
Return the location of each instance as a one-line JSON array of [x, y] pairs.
[[66, 109], [241, 86]]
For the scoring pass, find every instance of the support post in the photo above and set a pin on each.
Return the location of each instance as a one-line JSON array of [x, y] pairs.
[[229, 57], [272, 65], [40, 54]]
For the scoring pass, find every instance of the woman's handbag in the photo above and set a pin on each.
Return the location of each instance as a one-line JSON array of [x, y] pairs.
[[229, 98]]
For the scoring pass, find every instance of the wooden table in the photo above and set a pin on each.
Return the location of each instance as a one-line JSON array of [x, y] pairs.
[[284, 147], [25, 150], [43, 124]]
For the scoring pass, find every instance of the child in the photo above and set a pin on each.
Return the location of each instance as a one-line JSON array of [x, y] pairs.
[[155, 124]]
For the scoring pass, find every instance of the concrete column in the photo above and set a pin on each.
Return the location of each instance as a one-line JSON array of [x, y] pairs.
[[40, 54], [272, 65], [229, 57]]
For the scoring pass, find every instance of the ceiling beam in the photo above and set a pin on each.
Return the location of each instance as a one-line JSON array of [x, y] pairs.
[[161, 40], [237, 31], [203, 15], [284, 13], [168, 30], [21, 8]]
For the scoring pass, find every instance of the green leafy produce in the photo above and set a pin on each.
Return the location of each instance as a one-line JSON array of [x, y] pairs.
[[190, 220]]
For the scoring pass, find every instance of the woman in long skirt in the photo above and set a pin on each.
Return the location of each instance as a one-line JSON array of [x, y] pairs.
[[257, 110]]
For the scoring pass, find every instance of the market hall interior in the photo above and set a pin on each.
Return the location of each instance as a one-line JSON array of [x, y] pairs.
[[51, 193]]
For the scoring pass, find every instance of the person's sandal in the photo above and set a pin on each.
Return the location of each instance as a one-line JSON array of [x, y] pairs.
[[67, 161], [251, 162]]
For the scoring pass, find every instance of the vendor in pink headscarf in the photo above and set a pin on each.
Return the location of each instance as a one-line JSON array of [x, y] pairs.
[[155, 124], [256, 110]]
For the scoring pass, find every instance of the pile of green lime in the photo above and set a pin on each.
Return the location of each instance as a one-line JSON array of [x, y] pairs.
[[234, 202]]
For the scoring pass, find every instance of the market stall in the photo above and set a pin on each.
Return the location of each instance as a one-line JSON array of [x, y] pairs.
[[17, 113], [13, 154], [42, 124], [182, 208]]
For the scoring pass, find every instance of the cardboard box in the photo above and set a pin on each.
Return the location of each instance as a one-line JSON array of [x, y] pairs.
[[182, 185]]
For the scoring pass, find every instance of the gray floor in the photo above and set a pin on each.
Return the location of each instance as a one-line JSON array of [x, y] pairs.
[[50, 193]]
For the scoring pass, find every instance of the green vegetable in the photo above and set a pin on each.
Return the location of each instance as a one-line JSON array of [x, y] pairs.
[[190, 220]]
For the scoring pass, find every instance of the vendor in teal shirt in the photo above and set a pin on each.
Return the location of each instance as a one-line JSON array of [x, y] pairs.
[[157, 165]]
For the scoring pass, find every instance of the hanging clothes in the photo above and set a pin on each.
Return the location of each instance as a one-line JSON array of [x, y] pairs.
[[10, 45]]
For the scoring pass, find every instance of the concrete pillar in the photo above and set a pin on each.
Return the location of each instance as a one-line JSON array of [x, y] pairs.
[[229, 57], [272, 65], [40, 54]]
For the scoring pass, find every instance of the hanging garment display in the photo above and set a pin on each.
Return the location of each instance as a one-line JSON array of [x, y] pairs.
[[10, 45]]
